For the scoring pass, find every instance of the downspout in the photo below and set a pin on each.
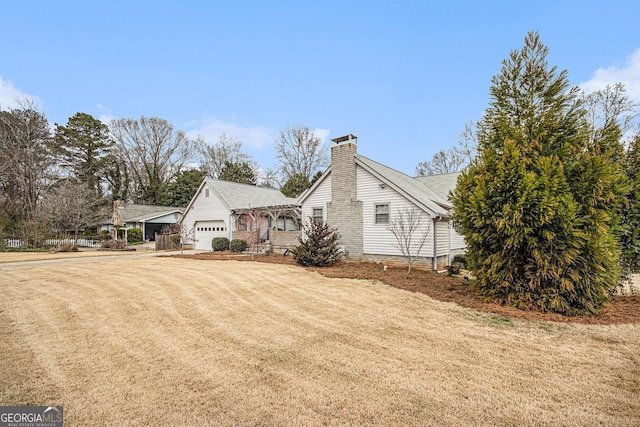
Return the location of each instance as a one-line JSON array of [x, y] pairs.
[[435, 245], [449, 260]]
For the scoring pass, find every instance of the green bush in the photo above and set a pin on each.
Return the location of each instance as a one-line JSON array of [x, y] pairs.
[[89, 232], [461, 259], [105, 235], [219, 244], [175, 241], [237, 245], [454, 268], [319, 247], [134, 235]]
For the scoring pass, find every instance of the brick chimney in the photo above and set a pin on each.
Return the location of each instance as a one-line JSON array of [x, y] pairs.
[[344, 211]]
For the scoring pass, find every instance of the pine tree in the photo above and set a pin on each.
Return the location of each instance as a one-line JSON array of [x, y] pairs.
[[538, 206], [295, 185], [318, 246], [181, 190], [238, 172], [83, 146]]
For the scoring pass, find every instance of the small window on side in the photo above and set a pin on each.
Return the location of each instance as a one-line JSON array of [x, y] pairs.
[[382, 213], [317, 215]]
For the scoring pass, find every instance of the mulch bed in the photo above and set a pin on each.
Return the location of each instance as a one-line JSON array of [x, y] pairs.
[[621, 309]]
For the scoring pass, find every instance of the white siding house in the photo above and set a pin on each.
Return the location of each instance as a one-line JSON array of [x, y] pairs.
[[229, 209], [315, 204], [361, 197]]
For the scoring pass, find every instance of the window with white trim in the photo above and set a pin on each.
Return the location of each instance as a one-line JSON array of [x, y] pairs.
[[317, 215], [382, 213]]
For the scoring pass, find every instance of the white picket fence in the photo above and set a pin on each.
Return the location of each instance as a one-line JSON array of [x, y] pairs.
[[84, 243]]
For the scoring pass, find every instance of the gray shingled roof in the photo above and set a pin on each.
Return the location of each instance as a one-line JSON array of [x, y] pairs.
[[431, 193], [442, 183], [243, 196], [137, 213]]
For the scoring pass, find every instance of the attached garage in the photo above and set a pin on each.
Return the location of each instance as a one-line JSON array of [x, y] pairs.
[[205, 231], [214, 209]]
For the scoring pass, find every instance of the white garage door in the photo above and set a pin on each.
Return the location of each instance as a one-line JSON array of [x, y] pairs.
[[207, 230]]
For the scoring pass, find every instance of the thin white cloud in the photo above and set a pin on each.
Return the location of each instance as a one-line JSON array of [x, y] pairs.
[[254, 137], [629, 74], [10, 96], [105, 114], [323, 134]]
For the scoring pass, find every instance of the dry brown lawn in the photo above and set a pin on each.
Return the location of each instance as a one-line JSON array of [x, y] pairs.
[[171, 341], [12, 257]]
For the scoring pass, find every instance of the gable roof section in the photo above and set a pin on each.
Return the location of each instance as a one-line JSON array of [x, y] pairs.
[[244, 196], [442, 183], [413, 189], [430, 192], [237, 196], [302, 197], [139, 213]]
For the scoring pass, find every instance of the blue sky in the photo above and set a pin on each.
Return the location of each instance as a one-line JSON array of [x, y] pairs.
[[404, 76]]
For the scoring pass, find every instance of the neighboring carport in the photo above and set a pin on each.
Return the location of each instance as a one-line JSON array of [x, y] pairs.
[[150, 219]]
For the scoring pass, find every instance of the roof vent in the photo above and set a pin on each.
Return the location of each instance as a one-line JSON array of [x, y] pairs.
[[346, 138]]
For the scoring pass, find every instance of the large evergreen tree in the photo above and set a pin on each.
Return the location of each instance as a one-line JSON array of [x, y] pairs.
[[630, 229], [538, 205], [238, 172], [180, 191], [295, 185], [83, 144]]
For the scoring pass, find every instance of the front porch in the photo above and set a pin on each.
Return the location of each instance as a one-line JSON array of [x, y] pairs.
[[268, 228]]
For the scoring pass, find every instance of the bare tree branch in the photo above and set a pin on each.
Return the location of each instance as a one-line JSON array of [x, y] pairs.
[[71, 207], [454, 159], [26, 163], [300, 152], [609, 106], [227, 149], [411, 230], [153, 153]]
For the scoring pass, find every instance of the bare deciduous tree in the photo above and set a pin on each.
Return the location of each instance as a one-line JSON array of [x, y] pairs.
[[444, 161], [215, 156], [411, 230], [299, 151], [71, 207], [187, 234], [26, 164], [252, 228], [609, 106], [153, 152], [270, 179], [454, 159]]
